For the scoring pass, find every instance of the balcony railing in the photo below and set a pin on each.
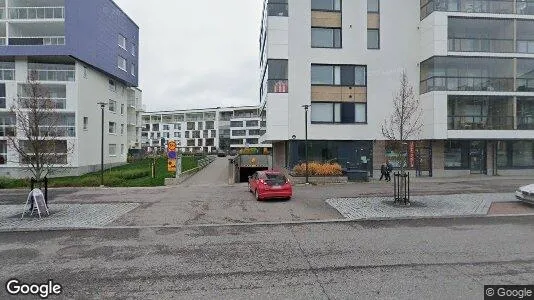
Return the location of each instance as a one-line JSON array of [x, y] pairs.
[[55, 103], [277, 86], [525, 46], [2, 41], [54, 75], [525, 123], [443, 83], [471, 6], [7, 74], [525, 85], [2, 13], [37, 13], [37, 41], [478, 122], [481, 45]]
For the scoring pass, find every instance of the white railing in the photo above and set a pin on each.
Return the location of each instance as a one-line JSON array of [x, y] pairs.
[[54, 75], [56, 103], [36, 13], [7, 74]]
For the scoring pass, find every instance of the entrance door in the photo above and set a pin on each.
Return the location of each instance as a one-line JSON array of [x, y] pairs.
[[477, 157], [423, 161]]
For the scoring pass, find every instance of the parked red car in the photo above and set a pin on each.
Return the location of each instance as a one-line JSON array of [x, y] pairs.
[[269, 185]]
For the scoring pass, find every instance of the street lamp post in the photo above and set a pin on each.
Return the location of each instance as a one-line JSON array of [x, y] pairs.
[[306, 107], [102, 105]]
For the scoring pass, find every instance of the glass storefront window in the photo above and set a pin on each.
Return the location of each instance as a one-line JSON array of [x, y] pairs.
[[515, 154]]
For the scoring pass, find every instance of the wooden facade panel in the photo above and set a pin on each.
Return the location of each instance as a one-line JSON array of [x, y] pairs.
[[373, 21], [326, 93], [326, 19]]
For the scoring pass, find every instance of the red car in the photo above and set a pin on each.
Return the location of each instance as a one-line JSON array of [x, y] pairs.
[[269, 185]]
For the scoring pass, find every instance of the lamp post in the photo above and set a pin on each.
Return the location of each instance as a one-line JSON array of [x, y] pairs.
[[102, 105], [306, 107]]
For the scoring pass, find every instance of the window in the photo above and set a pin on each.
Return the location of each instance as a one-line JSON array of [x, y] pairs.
[[342, 113], [132, 49], [112, 127], [329, 5], [190, 143], [177, 134], [112, 105], [132, 69], [2, 95], [239, 132], [111, 85], [252, 123], [214, 133], [252, 141], [277, 77], [456, 154], [122, 149], [122, 128], [236, 124], [177, 126], [263, 123], [122, 109], [187, 134], [325, 37], [210, 142], [210, 124], [346, 75], [196, 134], [112, 149], [254, 132], [166, 127], [236, 141], [85, 123], [155, 127], [373, 39], [3, 152], [122, 41], [121, 63], [200, 126], [373, 6], [277, 8], [190, 125]]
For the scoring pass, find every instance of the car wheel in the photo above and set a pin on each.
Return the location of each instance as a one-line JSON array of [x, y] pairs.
[[257, 195], [288, 198]]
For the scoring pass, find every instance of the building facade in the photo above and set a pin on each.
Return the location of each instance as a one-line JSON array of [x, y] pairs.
[[81, 53], [203, 130], [470, 63]]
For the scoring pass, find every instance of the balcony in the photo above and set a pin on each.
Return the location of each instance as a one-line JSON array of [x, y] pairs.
[[52, 72], [37, 41], [443, 83], [480, 122], [53, 103], [2, 13], [37, 13], [472, 6], [277, 8], [481, 45], [3, 41], [525, 123]]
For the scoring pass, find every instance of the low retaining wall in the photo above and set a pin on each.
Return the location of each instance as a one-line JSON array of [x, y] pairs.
[[318, 180], [187, 174]]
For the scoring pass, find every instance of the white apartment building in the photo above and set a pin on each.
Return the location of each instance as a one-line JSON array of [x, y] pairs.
[[470, 62], [203, 130], [44, 38]]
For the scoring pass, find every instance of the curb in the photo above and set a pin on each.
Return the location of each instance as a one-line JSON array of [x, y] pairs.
[[308, 222]]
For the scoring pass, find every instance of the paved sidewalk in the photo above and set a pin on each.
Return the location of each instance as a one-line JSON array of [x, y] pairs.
[[64, 216], [421, 206]]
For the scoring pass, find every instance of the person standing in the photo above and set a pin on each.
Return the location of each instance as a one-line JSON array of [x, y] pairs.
[[382, 171], [389, 168]]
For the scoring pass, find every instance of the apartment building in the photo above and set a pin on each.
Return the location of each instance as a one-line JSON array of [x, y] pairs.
[[203, 130], [82, 53], [470, 62]]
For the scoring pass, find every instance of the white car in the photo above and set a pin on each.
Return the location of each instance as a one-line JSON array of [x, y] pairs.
[[526, 193]]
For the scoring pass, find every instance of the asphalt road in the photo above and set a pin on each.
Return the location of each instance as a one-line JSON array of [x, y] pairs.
[[411, 259], [214, 174]]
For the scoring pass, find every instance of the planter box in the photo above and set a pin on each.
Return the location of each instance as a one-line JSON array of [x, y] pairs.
[[318, 179]]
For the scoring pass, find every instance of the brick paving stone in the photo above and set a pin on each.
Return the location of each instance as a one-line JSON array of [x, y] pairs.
[[506, 208], [64, 216], [421, 206]]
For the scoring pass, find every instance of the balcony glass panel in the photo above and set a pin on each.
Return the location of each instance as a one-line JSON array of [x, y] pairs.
[[480, 113], [7, 70], [525, 36], [467, 74], [525, 113], [525, 75], [481, 35], [469, 6], [35, 13], [52, 72]]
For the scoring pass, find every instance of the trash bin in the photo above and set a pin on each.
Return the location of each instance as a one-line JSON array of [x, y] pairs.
[[357, 175]]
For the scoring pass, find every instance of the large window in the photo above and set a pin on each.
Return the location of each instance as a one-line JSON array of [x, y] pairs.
[[2, 95], [346, 75], [112, 127], [122, 41], [456, 154], [121, 63], [481, 35], [475, 6], [515, 154], [525, 113], [7, 124], [112, 149], [239, 132], [236, 124], [56, 149], [190, 125], [196, 134], [252, 123], [373, 6], [325, 37], [327, 5], [343, 113], [468, 74], [525, 75], [525, 36], [277, 76], [112, 105], [210, 124], [480, 113], [277, 8]]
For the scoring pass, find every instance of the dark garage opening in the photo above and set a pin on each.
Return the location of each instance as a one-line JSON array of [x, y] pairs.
[[244, 173]]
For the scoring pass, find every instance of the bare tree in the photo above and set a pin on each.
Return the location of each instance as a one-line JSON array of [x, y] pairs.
[[38, 138], [405, 121]]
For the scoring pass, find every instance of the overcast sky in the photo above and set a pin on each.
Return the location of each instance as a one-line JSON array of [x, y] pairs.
[[197, 54]]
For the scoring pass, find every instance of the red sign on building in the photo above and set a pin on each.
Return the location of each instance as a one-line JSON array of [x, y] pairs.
[[411, 154]]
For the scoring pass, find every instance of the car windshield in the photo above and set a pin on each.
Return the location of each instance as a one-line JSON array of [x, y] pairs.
[[275, 178]]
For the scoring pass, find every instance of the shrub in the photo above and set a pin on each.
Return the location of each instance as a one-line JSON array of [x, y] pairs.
[[249, 151], [318, 169]]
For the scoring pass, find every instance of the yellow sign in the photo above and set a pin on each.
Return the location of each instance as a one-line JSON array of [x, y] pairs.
[[171, 146], [171, 165]]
